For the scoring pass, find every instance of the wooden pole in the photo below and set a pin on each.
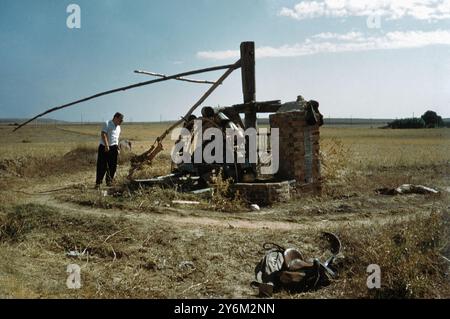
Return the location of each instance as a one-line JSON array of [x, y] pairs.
[[202, 99], [148, 156], [126, 88], [179, 79], [248, 80], [249, 91]]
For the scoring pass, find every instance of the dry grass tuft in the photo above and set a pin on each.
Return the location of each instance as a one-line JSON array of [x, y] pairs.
[[224, 199], [77, 159], [160, 166], [82, 155], [335, 160], [408, 255]]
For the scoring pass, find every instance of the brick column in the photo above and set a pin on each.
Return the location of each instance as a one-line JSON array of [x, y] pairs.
[[299, 150]]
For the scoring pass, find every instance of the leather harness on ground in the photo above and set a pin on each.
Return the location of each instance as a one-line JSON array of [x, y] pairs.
[[287, 268]]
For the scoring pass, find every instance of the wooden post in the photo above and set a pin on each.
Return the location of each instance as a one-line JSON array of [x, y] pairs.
[[249, 92], [248, 80]]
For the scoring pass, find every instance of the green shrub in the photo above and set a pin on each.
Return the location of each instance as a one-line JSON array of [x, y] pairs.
[[408, 123]]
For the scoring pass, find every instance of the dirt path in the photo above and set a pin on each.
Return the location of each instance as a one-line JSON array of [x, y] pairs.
[[175, 216], [178, 216]]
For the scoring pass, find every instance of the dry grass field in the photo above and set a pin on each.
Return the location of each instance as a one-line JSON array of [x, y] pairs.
[[138, 244]]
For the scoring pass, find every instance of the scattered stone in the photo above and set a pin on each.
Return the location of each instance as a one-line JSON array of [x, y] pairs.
[[186, 265], [74, 253], [197, 234], [344, 208], [407, 189], [185, 202], [150, 265], [125, 145]]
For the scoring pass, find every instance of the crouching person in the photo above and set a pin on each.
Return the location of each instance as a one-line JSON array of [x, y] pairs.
[[108, 150]]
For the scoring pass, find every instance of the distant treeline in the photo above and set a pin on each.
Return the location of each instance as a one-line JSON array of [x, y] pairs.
[[345, 121], [37, 121], [429, 119], [328, 121]]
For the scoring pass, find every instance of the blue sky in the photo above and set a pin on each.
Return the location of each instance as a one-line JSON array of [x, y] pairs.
[[395, 66]]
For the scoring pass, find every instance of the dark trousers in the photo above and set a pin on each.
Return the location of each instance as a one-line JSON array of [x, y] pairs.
[[106, 163]]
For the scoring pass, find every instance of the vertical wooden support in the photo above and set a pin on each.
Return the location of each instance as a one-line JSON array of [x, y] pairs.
[[249, 91], [248, 80]]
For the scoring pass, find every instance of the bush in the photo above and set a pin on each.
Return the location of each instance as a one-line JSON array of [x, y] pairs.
[[334, 158], [408, 123], [429, 119], [432, 120], [224, 199]]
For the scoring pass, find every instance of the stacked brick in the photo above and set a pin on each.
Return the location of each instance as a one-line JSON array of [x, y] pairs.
[[265, 193], [298, 150]]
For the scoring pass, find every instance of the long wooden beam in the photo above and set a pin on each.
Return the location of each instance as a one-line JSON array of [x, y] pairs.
[[257, 107], [221, 67], [157, 146], [202, 99], [179, 79]]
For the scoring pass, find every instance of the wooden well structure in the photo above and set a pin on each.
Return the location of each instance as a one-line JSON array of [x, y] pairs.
[[299, 158]]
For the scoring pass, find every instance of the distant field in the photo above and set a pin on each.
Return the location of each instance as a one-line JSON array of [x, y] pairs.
[[370, 147], [35, 140]]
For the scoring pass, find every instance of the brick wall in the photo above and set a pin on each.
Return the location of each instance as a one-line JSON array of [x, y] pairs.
[[265, 193], [299, 150]]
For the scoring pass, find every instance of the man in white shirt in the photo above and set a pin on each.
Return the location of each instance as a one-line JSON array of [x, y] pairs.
[[108, 150]]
